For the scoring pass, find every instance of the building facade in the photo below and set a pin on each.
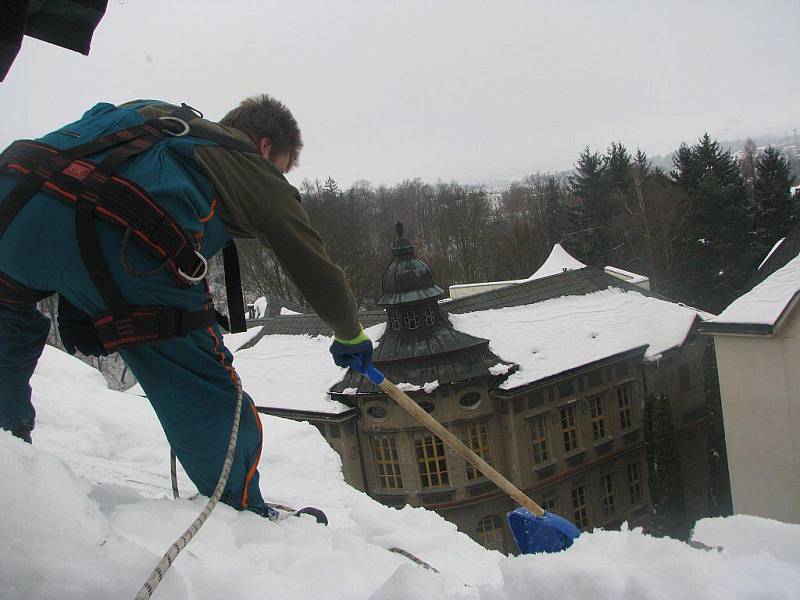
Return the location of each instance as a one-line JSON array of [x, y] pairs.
[[757, 341], [572, 440]]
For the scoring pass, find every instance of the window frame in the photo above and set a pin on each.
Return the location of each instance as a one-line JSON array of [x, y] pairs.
[[625, 406], [580, 506], [431, 459], [569, 431], [597, 416], [608, 502], [386, 455], [411, 319], [476, 438], [539, 440], [491, 537]]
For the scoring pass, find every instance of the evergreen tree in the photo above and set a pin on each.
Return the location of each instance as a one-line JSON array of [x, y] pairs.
[[718, 252], [776, 212], [721, 504], [589, 184], [664, 476]]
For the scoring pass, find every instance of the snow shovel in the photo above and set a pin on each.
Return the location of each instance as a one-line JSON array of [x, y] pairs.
[[535, 530]]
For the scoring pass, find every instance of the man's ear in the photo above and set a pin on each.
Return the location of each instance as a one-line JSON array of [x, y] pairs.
[[264, 146]]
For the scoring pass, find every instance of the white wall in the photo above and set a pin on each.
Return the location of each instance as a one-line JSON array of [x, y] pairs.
[[760, 386]]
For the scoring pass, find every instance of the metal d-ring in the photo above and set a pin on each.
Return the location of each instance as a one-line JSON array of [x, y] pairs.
[[177, 120], [191, 279]]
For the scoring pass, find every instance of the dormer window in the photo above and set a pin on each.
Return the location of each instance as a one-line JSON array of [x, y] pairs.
[[394, 318], [428, 316], [411, 319]]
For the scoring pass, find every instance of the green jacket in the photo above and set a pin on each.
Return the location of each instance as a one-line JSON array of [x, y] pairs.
[[256, 201]]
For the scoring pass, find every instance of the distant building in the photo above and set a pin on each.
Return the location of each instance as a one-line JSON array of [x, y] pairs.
[[757, 341], [545, 379]]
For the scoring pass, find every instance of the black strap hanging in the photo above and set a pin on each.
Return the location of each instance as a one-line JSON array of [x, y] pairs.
[[233, 288]]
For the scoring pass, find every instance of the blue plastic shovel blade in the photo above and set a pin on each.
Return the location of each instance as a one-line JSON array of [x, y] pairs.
[[548, 533]]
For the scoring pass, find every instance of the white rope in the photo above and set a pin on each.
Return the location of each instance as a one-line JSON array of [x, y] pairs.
[[169, 557]]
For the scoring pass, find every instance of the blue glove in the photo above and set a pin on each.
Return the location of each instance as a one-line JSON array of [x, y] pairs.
[[355, 353], [77, 330]]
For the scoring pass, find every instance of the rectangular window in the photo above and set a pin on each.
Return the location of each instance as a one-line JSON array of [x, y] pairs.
[[539, 440], [595, 378], [429, 315], [518, 405], [503, 407], [387, 461], [394, 319], [624, 402], [431, 461], [411, 319], [566, 388], [477, 439], [635, 483], [569, 430], [607, 490], [551, 395], [536, 399], [579, 507], [685, 378], [551, 504], [335, 430], [598, 419]]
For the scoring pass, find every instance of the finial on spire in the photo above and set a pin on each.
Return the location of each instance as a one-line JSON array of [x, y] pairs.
[[399, 229]]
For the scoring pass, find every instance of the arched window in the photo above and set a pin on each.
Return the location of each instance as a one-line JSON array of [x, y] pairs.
[[490, 533], [377, 411], [394, 319], [411, 319], [470, 401], [428, 407], [428, 316]]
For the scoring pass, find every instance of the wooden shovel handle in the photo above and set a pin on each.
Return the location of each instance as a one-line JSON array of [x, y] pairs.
[[416, 411]]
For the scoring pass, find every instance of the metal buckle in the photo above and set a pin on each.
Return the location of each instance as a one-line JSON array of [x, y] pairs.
[[177, 120], [200, 278]]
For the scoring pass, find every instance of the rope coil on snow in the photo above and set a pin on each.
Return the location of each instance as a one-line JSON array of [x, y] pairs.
[[172, 553]]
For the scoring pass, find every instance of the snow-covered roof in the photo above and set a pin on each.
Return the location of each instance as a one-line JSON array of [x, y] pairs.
[[766, 302], [551, 337], [92, 512], [559, 261], [293, 372]]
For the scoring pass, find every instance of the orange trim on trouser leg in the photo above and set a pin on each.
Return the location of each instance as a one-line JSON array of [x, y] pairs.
[[254, 467], [237, 382]]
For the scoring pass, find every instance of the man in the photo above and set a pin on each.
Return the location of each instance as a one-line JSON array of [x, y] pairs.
[[118, 213]]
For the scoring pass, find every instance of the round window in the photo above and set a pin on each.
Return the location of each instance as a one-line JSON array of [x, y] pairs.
[[377, 412], [428, 407], [470, 401]]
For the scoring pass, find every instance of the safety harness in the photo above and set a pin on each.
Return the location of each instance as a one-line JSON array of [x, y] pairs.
[[96, 190]]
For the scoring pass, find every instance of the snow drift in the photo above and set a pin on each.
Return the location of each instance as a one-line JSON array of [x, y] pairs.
[[87, 511]]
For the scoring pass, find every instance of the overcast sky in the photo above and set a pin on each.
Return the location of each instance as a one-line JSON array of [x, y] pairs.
[[450, 89]]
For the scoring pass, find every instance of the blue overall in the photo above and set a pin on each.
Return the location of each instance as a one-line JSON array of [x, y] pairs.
[[189, 381]]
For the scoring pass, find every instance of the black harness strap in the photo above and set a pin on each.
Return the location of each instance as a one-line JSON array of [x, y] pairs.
[[96, 265], [153, 324], [233, 288], [97, 192]]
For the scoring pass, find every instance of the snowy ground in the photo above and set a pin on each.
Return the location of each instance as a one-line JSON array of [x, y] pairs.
[[87, 512]]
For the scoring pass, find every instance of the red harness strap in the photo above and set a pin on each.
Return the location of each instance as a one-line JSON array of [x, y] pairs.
[[95, 190]]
